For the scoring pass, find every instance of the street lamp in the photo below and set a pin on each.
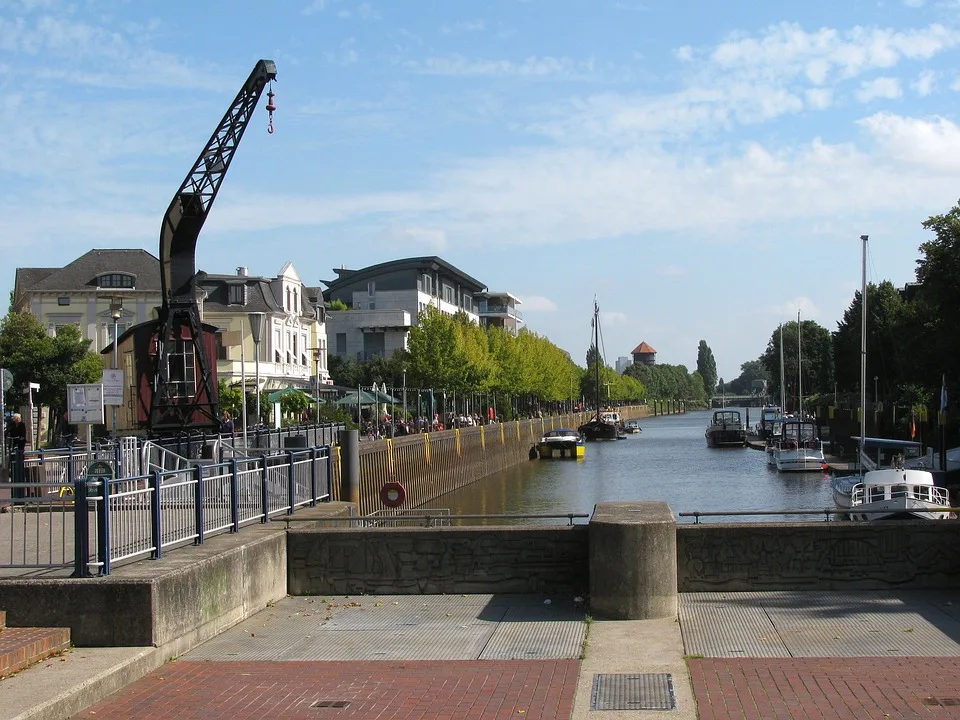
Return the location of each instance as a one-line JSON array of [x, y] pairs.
[[256, 330], [316, 378], [116, 308], [404, 370]]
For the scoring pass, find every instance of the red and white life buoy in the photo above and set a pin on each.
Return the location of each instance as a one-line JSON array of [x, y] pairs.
[[393, 494]]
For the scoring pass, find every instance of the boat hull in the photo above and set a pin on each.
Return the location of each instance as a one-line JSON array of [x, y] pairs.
[[801, 460], [599, 430], [560, 451], [720, 438]]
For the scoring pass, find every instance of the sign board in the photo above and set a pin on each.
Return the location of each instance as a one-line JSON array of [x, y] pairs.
[[112, 387], [99, 470], [85, 404], [7, 379]]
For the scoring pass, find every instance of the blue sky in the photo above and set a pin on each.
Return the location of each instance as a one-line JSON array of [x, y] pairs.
[[704, 173]]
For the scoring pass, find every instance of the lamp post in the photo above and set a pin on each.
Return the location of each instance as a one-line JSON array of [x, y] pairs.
[[316, 379], [243, 389], [404, 370], [116, 307], [256, 331]]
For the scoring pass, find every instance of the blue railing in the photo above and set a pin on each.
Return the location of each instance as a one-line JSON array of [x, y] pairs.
[[137, 517]]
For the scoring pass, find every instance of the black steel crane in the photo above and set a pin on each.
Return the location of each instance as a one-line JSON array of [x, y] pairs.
[[184, 394]]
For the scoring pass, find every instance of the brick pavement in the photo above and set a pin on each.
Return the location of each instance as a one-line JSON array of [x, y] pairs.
[[859, 688], [407, 690]]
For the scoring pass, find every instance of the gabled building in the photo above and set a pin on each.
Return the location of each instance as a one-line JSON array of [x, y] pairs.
[[645, 354], [89, 291], [385, 301], [293, 345]]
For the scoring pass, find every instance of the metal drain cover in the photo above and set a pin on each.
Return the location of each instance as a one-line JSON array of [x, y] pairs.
[[331, 704], [647, 691]]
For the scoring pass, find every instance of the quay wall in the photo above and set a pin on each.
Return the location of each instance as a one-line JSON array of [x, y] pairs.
[[818, 556], [412, 561], [429, 465]]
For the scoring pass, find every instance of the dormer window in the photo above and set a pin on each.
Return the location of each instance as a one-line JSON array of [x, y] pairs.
[[237, 295], [116, 280]]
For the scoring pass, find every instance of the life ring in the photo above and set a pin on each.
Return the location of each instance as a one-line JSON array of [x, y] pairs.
[[393, 494]]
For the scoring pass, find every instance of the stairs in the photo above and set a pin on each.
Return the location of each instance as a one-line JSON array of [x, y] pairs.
[[22, 647]]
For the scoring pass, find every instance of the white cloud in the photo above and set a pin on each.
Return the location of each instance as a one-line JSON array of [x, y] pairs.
[[425, 237], [882, 87], [819, 98], [314, 7], [932, 144], [924, 84], [671, 271], [537, 303], [613, 318], [531, 67], [788, 310], [684, 53], [462, 27]]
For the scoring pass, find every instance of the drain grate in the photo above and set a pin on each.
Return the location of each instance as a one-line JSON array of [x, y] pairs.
[[648, 691], [331, 703]]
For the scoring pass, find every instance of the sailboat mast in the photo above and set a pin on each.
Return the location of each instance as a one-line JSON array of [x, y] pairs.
[[799, 370], [596, 345], [863, 342], [783, 389]]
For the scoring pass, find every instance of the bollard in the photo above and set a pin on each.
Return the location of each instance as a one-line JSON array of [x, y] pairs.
[[350, 467]]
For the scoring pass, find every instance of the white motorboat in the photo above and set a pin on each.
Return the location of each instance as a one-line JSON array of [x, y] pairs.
[[896, 493], [798, 449], [877, 454]]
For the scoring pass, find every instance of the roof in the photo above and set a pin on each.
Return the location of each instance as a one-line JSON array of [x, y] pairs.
[[259, 295], [642, 349], [431, 262], [83, 272]]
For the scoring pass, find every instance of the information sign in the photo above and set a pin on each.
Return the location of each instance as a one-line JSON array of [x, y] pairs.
[[113, 387], [99, 470], [85, 404]]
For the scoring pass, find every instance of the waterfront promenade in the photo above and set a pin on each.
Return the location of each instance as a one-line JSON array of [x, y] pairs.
[[728, 655]]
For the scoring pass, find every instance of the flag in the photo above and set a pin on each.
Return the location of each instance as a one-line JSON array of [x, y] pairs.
[[943, 400], [913, 427]]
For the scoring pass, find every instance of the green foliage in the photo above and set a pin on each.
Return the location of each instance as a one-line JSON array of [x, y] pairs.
[[27, 351], [750, 371], [707, 366], [231, 399], [338, 305], [815, 346]]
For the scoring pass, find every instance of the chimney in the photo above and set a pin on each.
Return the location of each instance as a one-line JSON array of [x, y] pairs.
[[242, 271]]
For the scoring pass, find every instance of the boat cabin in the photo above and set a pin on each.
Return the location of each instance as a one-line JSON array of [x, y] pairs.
[[726, 418], [797, 433]]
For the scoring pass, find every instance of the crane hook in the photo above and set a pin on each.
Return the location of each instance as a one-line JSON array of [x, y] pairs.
[[270, 108]]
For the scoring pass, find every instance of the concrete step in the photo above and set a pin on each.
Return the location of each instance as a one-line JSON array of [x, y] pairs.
[[22, 647]]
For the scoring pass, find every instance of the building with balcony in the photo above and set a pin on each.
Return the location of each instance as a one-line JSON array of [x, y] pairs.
[[499, 309], [386, 300]]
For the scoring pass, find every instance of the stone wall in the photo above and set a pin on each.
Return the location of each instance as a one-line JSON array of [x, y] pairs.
[[818, 556], [411, 561]]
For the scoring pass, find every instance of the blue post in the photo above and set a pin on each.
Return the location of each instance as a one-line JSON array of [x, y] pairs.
[[155, 533], [103, 527], [234, 497], [264, 494], [198, 502], [81, 530], [291, 483], [313, 477]]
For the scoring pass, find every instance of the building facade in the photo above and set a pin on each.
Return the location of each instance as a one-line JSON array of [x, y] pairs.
[[499, 309], [385, 301], [644, 354]]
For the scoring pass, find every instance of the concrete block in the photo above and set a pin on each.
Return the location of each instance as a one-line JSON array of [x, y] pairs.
[[633, 561]]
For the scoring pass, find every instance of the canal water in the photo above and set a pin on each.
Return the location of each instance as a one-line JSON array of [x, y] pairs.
[[669, 461]]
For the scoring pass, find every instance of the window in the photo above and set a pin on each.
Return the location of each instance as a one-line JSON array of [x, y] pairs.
[[287, 305], [373, 306], [448, 295], [372, 288], [181, 369], [296, 302], [116, 280], [341, 344], [62, 301], [427, 284], [121, 329], [237, 295], [294, 345]]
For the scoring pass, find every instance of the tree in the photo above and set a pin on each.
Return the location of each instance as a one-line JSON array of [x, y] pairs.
[[707, 367], [815, 346], [750, 371]]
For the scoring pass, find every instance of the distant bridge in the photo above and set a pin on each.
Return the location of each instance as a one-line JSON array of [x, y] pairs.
[[739, 401]]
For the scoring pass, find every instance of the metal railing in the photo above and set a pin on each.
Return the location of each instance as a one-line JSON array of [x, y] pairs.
[[826, 512], [425, 517], [91, 523]]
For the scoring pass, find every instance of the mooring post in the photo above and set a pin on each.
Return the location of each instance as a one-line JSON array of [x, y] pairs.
[[350, 467]]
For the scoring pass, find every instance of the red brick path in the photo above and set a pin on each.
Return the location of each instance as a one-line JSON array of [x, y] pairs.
[[408, 690], [891, 688]]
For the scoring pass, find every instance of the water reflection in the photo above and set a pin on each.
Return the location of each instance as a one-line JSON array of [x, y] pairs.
[[668, 461]]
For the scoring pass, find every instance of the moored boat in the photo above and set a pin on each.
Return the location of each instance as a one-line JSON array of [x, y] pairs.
[[561, 443], [726, 430], [632, 427], [605, 425], [798, 449], [898, 493]]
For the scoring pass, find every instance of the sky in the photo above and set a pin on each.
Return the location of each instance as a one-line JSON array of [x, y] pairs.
[[704, 170]]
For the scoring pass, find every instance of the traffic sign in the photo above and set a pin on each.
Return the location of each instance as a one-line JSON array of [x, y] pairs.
[[99, 470], [7, 379]]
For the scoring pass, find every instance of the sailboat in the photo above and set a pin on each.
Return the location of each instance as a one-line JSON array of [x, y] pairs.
[[798, 449], [603, 425], [894, 491]]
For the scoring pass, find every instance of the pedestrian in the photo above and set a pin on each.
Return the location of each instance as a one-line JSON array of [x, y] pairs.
[[226, 425], [16, 444]]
